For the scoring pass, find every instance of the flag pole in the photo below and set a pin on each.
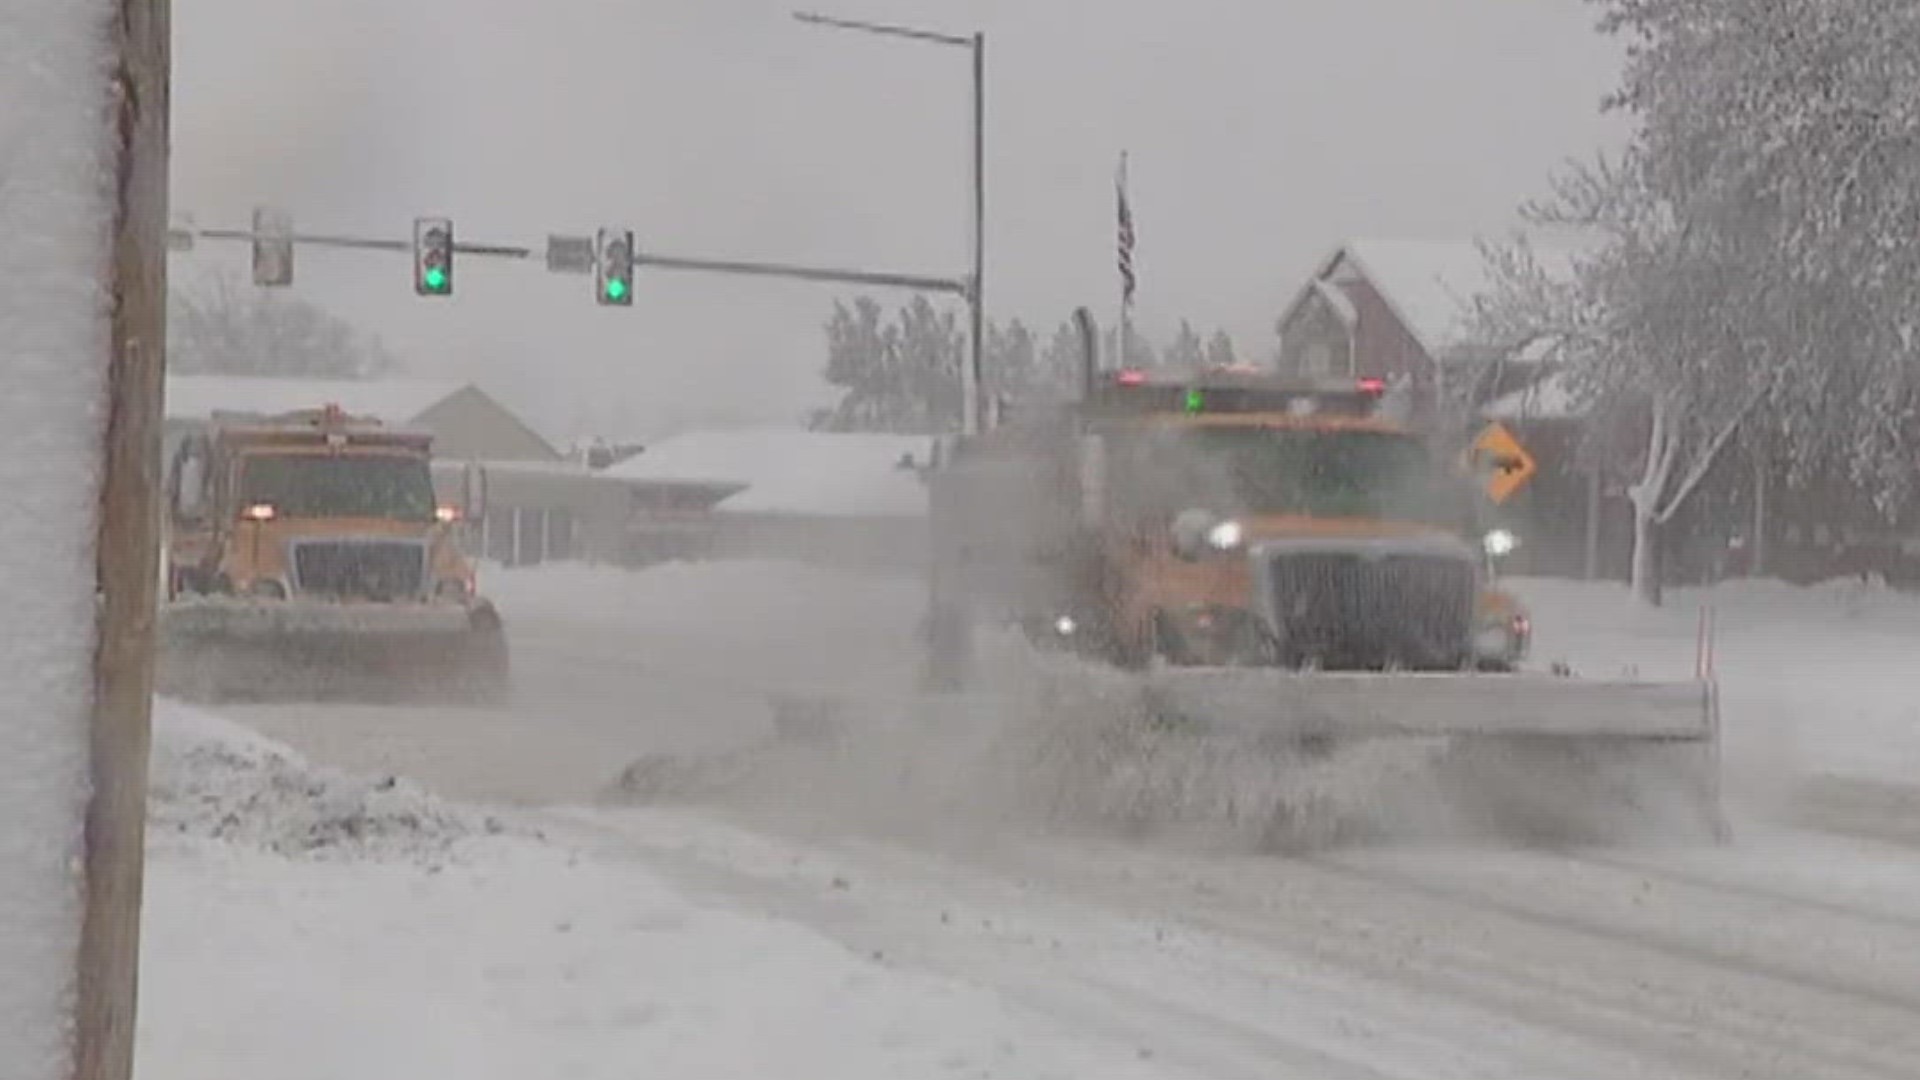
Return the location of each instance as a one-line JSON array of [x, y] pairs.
[[1126, 238]]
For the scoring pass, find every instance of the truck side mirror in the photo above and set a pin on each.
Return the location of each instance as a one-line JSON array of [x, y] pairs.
[[188, 488]]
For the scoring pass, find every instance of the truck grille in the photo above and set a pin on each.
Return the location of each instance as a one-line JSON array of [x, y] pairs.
[[1349, 608], [360, 569]]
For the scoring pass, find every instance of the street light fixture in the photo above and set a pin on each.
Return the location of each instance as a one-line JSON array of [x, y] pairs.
[[974, 400]]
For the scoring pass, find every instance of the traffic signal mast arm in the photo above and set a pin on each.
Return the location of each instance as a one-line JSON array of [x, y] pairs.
[[185, 237], [926, 283], [182, 238]]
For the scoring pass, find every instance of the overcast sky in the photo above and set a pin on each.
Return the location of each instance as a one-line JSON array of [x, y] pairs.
[[1261, 132]]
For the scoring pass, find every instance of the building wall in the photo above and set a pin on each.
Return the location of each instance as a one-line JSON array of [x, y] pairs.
[[535, 516], [1382, 346], [1313, 324]]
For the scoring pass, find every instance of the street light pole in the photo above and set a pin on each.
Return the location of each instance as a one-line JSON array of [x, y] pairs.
[[977, 298], [974, 398]]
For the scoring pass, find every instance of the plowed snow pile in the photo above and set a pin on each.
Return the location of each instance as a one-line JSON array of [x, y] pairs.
[[1063, 745], [212, 780]]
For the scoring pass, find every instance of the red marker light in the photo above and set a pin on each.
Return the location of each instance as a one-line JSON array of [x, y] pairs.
[[1373, 385], [1131, 377]]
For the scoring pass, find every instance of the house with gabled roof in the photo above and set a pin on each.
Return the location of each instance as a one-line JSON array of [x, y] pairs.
[[1395, 310]]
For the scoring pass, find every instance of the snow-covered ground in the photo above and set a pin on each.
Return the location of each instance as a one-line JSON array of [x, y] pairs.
[[900, 911], [307, 923]]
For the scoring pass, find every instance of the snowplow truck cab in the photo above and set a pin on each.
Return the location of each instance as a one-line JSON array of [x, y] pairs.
[[307, 554], [1233, 519]]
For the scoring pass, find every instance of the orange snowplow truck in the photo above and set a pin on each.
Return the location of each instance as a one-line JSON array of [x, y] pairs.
[[1125, 527], [1280, 568], [307, 554]]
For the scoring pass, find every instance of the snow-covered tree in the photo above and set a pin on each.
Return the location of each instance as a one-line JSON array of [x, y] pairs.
[[1140, 350], [1785, 135], [900, 375], [859, 349], [1012, 362], [1754, 249], [1186, 352], [1220, 352], [1647, 329], [220, 327], [1063, 359]]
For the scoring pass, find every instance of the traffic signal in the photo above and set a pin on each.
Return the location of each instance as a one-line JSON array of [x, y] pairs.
[[272, 247], [432, 256], [613, 267]]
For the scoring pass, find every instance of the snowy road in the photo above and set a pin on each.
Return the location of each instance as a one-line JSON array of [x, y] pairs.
[[1795, 953]]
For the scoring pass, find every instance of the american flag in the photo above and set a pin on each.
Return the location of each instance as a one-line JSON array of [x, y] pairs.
[[1127, 280]]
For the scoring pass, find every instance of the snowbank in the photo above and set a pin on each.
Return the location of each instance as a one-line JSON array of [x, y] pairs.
[[213, 780], [54, 214], [309, 925]]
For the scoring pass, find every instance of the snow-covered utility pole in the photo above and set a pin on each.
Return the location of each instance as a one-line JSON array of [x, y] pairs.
[[83, 214], [127, 551]]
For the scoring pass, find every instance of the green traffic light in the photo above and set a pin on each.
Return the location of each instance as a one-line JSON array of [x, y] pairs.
[[616, 289], [436, 279], [1196, 401]]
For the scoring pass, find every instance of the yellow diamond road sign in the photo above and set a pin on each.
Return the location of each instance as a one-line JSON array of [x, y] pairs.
[[1503, 461]]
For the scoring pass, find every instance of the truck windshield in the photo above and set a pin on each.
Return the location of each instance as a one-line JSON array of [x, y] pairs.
[[1298, 471], [347, 485]]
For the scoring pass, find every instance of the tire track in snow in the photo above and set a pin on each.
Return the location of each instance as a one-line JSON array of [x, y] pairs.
[[1719, 882], [1526, 973], [1859, 807], [1891, 1006], [1171, 1032]]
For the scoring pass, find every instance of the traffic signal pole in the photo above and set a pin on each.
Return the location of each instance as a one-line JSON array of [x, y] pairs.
[[974, 401]]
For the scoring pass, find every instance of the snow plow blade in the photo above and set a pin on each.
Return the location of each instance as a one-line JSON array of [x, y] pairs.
[[1360, 706], [1531, 757], [216, 650]]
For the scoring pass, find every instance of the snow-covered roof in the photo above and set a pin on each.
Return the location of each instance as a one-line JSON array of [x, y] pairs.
[[792, 471], [391, 401], [1550, 398], [1429, 284]]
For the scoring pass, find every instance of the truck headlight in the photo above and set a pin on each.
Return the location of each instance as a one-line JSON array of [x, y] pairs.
[[1226, 536]]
